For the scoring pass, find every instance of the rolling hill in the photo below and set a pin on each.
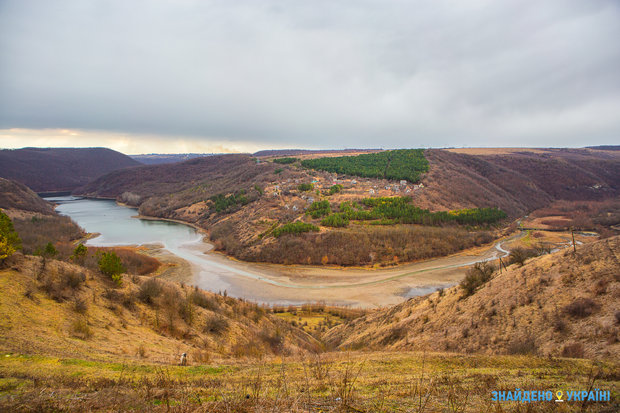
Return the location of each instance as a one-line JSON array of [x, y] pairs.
[[562, 304], [60, 169]]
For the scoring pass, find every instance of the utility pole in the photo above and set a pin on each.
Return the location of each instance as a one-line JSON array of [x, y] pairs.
[[573, 236]]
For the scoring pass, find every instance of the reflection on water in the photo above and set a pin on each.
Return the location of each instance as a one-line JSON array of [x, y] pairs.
[[116, 226]]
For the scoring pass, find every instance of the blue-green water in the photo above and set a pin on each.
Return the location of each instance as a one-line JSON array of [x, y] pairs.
[[117, 227]]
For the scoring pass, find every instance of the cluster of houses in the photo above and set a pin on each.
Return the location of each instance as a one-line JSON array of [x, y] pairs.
[[397, 188], [402, 187]]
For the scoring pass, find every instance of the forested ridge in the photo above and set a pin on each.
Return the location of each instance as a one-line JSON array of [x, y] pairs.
[[406, 164]]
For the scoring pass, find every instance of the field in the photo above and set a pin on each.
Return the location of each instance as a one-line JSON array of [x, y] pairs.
[[353, 382]]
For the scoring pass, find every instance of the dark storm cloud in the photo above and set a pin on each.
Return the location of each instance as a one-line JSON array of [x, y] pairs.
[[317, 74]]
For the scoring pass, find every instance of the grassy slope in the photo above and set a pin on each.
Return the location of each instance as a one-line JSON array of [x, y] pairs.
[[117, 325], [366, 382], [523, 310]]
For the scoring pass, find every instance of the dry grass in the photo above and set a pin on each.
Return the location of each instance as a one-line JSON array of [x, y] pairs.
[[57, 308], [353, 382], [552, 301]]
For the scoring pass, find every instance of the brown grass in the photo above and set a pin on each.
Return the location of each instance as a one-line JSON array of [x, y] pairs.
[[552, 301]]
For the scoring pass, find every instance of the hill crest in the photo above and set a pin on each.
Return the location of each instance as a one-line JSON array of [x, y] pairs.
[[60, 169]]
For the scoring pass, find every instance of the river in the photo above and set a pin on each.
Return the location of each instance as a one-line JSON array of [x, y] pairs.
[[266, 283]]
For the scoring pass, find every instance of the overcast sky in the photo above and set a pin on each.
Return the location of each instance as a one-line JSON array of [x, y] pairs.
[[221, 76]]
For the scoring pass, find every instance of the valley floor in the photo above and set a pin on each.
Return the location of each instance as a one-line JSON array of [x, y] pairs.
[[344, 286], [355, 382]]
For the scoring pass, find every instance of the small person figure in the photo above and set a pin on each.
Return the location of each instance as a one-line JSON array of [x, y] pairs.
[[183, 359]]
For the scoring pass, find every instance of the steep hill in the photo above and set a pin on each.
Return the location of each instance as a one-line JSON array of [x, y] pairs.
[[517, 182], [59, 169], [16, 196], [556, 305], [205, 176]]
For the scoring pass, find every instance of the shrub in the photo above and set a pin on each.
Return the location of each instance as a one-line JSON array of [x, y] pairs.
[[35, 233], [149, 290], [81, 329], [319, 209], [79, 253], [134, 262], [79, 305], [9, 240], [273, 338], [335, 220], [334, 189], [215, 324], [522, 345], [294, 228], [50, 250], [519, 255], [73, 279], [285, 161], [110, 264], [278, 170], [305, 187], [202, 300], [228, 203], [581, 307], [573, 350], [476, 276]]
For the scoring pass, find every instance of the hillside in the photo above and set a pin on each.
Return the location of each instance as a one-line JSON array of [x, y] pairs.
[[246, 204], [556, 305], [517, 182], [16, 196], [59, 169], [60, 309]]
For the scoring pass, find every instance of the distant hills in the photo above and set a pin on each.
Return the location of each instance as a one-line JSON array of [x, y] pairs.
[[159, 158], [295, 152], [60, 169]]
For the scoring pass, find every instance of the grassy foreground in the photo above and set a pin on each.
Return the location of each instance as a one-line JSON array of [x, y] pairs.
[[357, 382]]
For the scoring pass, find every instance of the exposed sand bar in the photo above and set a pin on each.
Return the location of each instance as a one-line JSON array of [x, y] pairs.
[[295, 284]]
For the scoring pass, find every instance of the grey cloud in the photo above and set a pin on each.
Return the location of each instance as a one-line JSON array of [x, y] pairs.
[[317, 74]]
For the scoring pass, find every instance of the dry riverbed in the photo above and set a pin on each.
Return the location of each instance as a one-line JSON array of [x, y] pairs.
[[279, 284]]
